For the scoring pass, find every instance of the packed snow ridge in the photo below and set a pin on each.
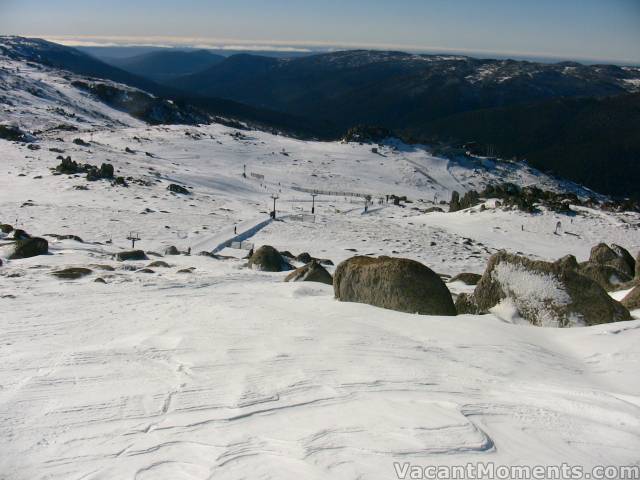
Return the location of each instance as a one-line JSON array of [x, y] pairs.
[[196, 367]]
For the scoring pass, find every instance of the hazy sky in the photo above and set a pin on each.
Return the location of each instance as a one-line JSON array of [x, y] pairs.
[[593, 29]]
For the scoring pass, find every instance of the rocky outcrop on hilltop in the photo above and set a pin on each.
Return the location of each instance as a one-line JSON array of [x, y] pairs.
[[71, 167]]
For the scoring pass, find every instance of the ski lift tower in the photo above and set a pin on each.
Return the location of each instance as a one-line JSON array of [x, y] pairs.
[[273, 213], [134, 237]]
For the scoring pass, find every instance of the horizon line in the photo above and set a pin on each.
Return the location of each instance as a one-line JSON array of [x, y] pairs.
[[211, 43]]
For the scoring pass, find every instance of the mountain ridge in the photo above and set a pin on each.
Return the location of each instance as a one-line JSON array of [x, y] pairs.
[[164, 65], [58, 56], [359, 86]]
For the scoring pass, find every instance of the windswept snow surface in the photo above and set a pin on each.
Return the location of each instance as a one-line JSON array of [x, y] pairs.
[[230, 373]]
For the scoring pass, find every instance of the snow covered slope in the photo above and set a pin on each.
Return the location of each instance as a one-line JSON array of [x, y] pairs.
[[225, 372], [39, 98]]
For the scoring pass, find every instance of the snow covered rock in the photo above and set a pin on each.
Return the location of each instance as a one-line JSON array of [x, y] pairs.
[[5, 228], [72, 273], [158, 264], [465, 304], [30, 247], [19, 234], [81, 142], [568, 261], [614, 256], [544, 293], [104, 172], [268, 259], [172, 250], [131, 255], [467, 278], [394, 283], [304, 257], [607, 276], [175, 188], [13, 133], [626, 256], [311, 272]]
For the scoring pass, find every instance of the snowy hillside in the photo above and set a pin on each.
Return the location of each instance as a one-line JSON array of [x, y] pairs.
[[39, 98], [204, 368]]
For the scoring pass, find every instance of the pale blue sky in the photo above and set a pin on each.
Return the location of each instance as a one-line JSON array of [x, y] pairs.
[[594, 29]]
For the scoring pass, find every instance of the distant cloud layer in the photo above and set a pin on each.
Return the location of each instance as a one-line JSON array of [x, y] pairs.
[[582, 30], [170, 42], [271, 45]]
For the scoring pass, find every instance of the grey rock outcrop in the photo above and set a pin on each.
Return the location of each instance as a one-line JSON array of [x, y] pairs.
[[393, 283]]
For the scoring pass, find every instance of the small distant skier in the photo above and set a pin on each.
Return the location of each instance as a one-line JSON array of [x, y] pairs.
[[558, 228], [189, 251], [235, 230]]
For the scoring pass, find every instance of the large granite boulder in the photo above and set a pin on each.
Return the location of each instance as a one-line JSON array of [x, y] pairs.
[[304, 258], [131, 255], [30, 247], [607, 276], [268, 259], [394, 283], [614, 256], [628, 259], [544, 293], [311, 272]]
